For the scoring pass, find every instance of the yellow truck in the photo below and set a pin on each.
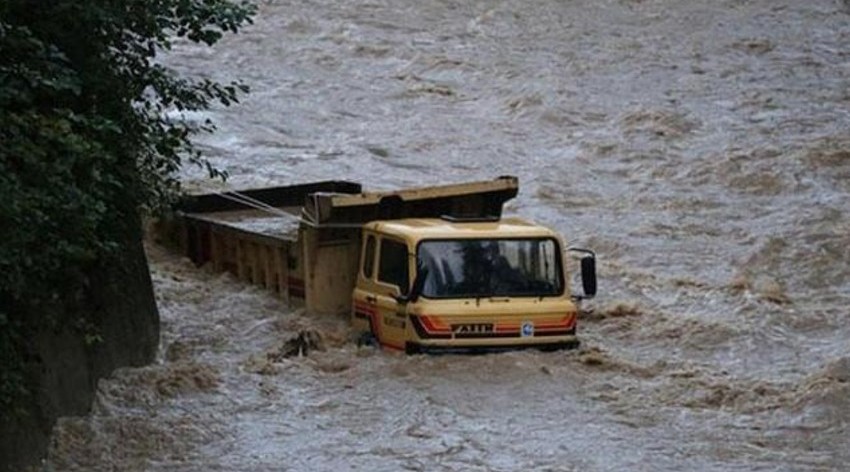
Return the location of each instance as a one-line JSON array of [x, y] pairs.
[[430, 269]]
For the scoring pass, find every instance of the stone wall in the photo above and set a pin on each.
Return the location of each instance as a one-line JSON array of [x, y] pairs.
[[63, 367]]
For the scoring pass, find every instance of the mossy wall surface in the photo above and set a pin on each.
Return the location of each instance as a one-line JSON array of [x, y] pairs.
[[63, 366]]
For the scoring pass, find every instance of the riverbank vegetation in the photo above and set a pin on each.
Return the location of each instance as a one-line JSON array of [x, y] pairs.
[[90, 137]]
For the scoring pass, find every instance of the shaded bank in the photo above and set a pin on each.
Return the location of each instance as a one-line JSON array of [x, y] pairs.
[[86, 144], [62, 365]]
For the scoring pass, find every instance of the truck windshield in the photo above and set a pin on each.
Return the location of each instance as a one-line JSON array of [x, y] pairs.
[[466, 268]]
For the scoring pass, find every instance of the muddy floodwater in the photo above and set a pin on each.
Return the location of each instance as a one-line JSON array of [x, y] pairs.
[[702, 148]]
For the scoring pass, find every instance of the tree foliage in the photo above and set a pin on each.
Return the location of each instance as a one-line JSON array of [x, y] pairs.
[[87, 140]]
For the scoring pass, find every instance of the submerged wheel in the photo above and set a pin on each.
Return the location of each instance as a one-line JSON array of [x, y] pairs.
[[410, 348], [367, 339]]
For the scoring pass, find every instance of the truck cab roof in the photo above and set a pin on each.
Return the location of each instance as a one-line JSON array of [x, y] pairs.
[[416, 229]]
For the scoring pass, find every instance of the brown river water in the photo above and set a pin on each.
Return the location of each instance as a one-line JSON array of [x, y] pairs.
[[702, 148]]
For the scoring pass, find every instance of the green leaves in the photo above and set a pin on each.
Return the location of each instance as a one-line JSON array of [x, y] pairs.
[[30, 68], [88, 138], [206, 21]]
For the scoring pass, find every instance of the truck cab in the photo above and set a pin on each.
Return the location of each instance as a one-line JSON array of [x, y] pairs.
[[446, 284]]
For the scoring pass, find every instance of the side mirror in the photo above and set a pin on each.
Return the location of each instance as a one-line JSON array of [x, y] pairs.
[[418, 284], [588, 272], [588, 276]]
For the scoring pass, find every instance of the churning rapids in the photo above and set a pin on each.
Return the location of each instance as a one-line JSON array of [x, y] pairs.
[[701, 147]]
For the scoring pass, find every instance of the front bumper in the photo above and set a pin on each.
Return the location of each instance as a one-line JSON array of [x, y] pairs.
[[413, 347]]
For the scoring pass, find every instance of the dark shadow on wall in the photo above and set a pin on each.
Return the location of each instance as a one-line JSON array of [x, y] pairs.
[[62, 368]]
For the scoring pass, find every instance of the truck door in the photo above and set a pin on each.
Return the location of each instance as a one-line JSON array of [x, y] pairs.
[[364, 311], [393, 279]]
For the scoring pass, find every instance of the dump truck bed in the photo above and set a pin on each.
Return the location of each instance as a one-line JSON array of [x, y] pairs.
[[279, 225]]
